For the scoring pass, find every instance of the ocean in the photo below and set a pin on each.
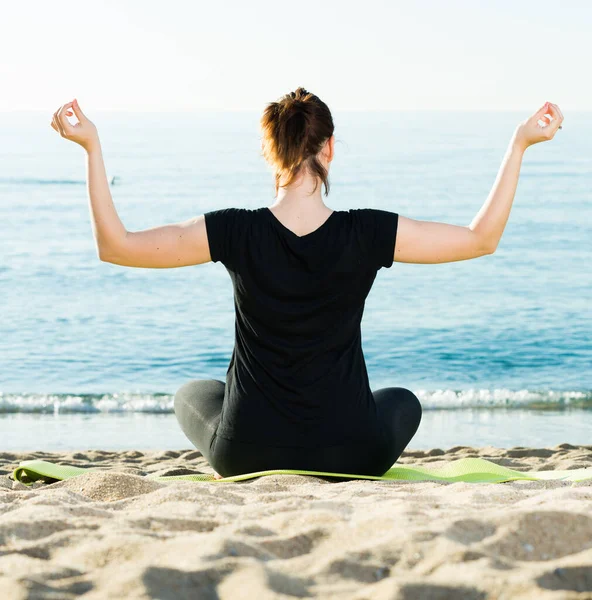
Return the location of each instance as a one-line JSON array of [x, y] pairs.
[[498, 349]]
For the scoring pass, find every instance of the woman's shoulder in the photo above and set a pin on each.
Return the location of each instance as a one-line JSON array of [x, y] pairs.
[[232, 214], [233, 210]]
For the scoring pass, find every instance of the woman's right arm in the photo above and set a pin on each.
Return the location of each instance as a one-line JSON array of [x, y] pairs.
[[433, 242]]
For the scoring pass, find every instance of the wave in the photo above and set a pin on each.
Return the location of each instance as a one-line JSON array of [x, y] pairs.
[[504, 398], [137, 402], [125, 402]]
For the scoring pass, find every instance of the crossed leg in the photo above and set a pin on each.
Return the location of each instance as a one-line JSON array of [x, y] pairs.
[[198, 406]]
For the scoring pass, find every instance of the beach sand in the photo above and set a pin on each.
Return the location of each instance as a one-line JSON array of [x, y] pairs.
[[117, 535]]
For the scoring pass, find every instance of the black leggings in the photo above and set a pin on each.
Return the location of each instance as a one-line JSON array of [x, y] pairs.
[[198, 404]]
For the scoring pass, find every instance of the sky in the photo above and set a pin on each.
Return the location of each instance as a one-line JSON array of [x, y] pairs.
[[183, 55]]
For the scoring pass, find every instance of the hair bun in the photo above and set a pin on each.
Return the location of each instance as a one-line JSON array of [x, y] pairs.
[[297, 100], [295, 106], [294, 130]]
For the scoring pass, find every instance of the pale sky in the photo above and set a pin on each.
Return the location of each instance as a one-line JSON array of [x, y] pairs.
[[182, 55]]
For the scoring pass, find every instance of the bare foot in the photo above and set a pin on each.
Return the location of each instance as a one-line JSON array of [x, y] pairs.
[[216, 476]]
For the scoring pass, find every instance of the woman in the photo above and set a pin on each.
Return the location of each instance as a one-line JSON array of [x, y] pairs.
[[297, 394]]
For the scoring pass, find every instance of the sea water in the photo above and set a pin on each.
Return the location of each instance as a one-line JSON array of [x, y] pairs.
[[498, 349]]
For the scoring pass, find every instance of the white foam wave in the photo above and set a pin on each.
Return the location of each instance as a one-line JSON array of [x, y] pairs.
[[486, 398], [125, 402], [136, 402]]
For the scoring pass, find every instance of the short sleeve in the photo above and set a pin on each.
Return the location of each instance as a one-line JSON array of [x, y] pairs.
[[224, 228], [380, 235]]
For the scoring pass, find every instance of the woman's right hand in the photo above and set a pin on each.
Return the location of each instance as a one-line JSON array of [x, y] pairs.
[[83, 133], [530, 132]]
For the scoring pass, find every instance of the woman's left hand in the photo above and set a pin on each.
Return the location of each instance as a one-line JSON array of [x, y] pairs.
[[84, 132]]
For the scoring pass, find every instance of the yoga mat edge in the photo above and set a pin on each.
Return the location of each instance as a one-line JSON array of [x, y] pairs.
[[472, 470]]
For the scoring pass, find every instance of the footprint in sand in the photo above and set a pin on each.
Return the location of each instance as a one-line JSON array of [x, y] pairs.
[[469, 531], [533, 536], [574, 579], [423, 591]]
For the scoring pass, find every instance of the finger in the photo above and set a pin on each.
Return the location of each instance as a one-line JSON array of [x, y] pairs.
[[56, 123], [554, 126], [540, 118], [540, 113], [64, 108], [56, 120], [68, 112], [553, 112], [66, 125], [558, 111], [79, 114], [556, 122]]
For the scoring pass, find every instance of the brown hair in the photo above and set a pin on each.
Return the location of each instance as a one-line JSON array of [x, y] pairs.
[[294, 131]]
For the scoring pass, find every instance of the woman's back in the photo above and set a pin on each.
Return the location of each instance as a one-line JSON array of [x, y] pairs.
[[297, 375]]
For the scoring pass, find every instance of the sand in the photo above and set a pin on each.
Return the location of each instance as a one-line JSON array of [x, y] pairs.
[[117, 535]]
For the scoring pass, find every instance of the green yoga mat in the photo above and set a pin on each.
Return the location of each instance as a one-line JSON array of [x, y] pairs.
[[473, 470]]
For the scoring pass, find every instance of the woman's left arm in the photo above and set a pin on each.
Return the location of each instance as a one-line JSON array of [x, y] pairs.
[[174, 245]]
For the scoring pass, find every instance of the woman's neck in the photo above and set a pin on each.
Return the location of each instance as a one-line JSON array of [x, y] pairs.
[[298, 197]]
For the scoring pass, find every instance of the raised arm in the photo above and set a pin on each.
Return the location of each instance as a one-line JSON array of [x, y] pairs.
[[167, 246], [433, 242]]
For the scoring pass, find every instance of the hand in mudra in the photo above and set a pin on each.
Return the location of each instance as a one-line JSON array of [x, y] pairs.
[[83, 133], [540, 127]]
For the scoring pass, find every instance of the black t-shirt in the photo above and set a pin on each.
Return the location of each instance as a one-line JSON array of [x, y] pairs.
[[297, 375]]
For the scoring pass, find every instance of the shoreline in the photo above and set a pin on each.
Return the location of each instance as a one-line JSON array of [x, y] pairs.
[[443, 429]]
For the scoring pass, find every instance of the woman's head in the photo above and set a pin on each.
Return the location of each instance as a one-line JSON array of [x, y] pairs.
[[295, 130]]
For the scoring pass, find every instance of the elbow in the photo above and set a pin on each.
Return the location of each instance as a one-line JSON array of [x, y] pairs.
[[489, 248], [109, 252], [102, 256], [482, 244], [105, 255], [486, 245]]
